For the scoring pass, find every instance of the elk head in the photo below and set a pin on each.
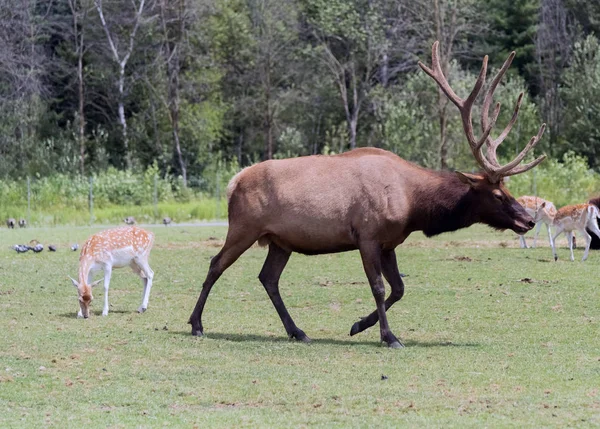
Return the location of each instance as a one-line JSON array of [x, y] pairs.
[[495, 206]]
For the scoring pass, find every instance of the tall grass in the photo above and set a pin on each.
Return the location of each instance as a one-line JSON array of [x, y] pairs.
[[109, 197]]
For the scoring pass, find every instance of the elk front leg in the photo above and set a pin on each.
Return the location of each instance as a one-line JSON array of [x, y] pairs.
[[389, 267], [237, 242], [371, 255], [276, 261]]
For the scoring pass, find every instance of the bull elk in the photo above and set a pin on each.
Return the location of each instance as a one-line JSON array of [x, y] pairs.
[[368, 200]]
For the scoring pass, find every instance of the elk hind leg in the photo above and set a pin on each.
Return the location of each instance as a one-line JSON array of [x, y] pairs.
[[389, 267], [371, 254], [276, 261], [237, 242]]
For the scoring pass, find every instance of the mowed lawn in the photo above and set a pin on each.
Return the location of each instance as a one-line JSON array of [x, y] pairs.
[[495, 335]]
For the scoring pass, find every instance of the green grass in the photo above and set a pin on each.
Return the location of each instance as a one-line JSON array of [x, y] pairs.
[[495, 336]]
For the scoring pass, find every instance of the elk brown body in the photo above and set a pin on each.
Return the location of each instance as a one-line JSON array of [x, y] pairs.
[[366, 199]]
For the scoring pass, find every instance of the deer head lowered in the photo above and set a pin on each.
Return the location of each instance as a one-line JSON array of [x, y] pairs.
[[366, 199]]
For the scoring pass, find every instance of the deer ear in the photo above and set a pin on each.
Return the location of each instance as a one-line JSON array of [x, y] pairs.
[[96, 283], [543, 205], [74, 282], [469, 179]]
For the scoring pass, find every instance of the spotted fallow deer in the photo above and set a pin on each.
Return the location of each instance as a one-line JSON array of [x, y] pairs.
[[577, 217], [370, 200], [542, 211], [114, 248]]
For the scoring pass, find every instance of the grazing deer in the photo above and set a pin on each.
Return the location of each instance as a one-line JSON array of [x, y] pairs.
[[541, 211], [22, 223], [10, 223], [368, 200], [114, 248], [129, 220], [576, 217], [167, 221]]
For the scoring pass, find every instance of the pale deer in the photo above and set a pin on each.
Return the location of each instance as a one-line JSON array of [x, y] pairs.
[[10, 223], [542, 211], [114, 248], [577, 217], [369, 200]]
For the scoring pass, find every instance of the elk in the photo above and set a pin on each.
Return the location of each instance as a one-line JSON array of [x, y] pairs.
[[576, 217], [10, 223], [369, 200], [541, 211], [114, 248]]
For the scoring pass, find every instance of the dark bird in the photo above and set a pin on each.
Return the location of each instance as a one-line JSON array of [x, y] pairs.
[[74, 247], [37, 248], [52, 247]]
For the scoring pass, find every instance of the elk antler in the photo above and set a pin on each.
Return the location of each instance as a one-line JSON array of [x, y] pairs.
[[489, 161]]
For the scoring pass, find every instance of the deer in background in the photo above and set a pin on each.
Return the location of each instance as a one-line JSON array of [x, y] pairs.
[[368, 200], [542, 211], [10, 223], [577, 217], [114, 248]]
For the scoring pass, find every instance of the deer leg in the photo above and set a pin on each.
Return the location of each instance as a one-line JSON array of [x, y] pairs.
[[269, 276], [147, 276], [538, 226], [549, 234], [235, 244], [389, 267], [588, 240], [570, 240], [559, 230], [107, 274], [522, 242], [371, 255]]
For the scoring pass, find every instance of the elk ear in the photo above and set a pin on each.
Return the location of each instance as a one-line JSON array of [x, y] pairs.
[[96, 283], [74, 282], [469, 179]]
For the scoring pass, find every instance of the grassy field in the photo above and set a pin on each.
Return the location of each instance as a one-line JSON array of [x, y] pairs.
[[496, 336]]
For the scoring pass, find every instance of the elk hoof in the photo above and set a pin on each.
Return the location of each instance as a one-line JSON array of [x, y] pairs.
[[355, 329], [299, 335], [555, 258], [396, 345], [197, 333]]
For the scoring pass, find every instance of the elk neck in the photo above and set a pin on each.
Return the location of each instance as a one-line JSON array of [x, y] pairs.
[[444, 204]]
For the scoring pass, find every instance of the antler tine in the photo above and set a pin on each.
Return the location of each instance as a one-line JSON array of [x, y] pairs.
[[437, 74], [464, 105], [510, 170], [492, 145], [488, 130]]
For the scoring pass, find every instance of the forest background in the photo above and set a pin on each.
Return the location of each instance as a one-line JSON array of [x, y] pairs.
[[156, 104]]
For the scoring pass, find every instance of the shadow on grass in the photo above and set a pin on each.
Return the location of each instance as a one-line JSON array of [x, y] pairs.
[[73, 314], [315, 341]]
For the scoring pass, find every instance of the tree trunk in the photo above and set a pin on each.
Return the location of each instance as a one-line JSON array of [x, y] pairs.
[[122, 119]]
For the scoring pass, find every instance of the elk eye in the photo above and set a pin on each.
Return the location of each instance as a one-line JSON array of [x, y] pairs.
[[498, 195]]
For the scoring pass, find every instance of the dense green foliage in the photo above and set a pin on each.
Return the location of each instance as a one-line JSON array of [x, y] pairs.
[[221, 80]]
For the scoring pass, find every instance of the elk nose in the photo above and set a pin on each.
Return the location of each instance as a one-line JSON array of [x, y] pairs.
[[531, 224]]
